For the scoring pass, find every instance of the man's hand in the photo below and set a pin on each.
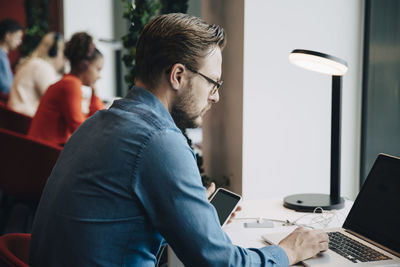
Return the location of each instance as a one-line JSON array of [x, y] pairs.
[[238, 208], [210, 190], [302, 244]]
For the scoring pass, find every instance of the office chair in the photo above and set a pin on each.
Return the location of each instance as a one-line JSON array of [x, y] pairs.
[[14, 249], [14, 121], [3, 99], [25, 166]]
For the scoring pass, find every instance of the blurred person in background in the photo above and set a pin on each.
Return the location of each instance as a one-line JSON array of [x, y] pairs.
[[60, 110], [11, 33], [36, 73]]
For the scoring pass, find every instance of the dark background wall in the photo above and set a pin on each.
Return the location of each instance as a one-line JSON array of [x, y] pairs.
[[15, 9], [381, 82]]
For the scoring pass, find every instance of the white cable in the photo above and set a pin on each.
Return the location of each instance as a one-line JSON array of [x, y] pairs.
[[321, 221]]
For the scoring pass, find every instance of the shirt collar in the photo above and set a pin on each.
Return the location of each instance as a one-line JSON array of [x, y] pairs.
[[145, 96]]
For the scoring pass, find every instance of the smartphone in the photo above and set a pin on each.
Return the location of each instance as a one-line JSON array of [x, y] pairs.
[[225, 202]]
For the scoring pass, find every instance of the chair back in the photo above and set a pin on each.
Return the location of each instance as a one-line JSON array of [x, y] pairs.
[[25, 165], [14, 249], [3, 98], [14, 121]]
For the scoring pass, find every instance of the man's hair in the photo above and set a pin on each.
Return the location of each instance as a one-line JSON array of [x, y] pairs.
[[174, 38], [8, 25], [81, 47]]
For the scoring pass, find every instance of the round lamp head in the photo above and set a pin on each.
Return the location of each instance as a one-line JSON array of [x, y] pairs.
[[319, 62]]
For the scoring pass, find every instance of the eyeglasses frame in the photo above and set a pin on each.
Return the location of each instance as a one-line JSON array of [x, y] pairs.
[[217, 84]]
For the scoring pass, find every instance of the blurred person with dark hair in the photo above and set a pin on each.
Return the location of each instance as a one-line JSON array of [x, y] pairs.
[[10, 38], [36, 73], [60, 109]]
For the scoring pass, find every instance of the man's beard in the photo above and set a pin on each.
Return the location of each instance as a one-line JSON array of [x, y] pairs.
[[184, 110]]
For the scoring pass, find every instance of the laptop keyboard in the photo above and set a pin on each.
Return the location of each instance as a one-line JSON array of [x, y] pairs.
[[352, 249]]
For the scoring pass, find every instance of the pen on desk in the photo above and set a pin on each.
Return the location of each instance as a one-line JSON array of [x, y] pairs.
[[266, 241]]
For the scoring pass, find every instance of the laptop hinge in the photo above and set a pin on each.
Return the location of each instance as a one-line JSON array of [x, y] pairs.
[[373, 242]]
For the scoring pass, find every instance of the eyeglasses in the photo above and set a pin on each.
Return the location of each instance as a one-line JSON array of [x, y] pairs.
[[217, 84]]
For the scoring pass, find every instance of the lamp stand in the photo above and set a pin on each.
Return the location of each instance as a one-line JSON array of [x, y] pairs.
[[308, 202]]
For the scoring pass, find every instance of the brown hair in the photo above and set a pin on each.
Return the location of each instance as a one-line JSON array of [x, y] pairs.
[[79, 48], [174, 38], [47, 43], [42, 50]]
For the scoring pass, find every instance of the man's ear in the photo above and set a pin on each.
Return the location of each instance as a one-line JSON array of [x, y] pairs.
[[177, 76]]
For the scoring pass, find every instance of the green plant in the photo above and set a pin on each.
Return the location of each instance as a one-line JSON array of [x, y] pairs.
[[37, 24], [174, 6], [138, 13]]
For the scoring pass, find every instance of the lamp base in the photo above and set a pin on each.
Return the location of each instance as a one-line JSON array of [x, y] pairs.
[[308, 202]]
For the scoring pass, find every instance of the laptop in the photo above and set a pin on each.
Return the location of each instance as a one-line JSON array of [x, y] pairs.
[[370, 235]]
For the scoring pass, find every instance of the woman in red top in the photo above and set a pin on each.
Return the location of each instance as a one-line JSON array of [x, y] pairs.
[[60, 110]]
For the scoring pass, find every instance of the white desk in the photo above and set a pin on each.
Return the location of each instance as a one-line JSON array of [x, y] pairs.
[[273, 209], [270, 209]]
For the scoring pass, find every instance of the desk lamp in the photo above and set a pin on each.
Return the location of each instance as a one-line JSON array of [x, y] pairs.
[[323, 63]]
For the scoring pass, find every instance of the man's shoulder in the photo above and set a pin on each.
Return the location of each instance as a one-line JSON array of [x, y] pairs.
[[144, 115]]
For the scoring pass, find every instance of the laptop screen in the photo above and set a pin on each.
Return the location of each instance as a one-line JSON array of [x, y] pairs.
[[376, 211]]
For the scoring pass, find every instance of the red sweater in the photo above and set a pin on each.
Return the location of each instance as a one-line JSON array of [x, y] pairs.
[[60, 111]]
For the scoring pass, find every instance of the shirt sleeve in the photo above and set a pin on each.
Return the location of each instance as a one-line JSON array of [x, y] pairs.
[[169, 186], [6, 76], [95, 104], [71, 105]]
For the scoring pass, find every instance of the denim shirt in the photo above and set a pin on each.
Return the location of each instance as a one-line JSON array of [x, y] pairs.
[[125, 183], [6, 75]]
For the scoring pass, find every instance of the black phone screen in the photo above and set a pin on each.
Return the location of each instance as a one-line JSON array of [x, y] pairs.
[[224, 202]]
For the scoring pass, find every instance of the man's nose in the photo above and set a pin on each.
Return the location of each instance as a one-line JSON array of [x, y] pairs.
[[214, 98]]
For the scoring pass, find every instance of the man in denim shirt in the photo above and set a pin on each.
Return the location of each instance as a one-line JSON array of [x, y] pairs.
[[127, 181]]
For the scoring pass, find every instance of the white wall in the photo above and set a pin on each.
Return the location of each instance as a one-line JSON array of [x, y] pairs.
[[95, 17], [286, 114]]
